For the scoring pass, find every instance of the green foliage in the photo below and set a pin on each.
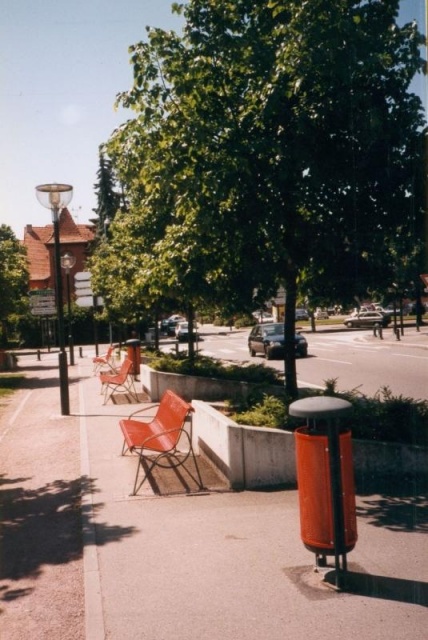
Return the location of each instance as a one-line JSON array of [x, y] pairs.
[[245, 321], [385, 417], [9, 383], [107, 196], [273, 142], [390, 418], [270, 412], [13, 279], [382, 418], [212, 368]]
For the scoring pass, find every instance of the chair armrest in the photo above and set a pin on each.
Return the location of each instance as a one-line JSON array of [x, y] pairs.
[[151, 406], [155, 436]]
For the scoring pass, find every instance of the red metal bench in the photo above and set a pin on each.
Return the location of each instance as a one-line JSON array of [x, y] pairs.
[[156, 440], [123, 379]]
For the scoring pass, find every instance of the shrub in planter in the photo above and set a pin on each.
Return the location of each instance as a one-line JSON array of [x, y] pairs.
[[269, 412], [383, 418], [211, 368]]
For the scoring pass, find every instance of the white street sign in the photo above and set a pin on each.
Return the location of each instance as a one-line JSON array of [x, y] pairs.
[[82, 293], [85, 301], [88, 301], [42, 302], [82, 275], [43, 311], [82, 284]]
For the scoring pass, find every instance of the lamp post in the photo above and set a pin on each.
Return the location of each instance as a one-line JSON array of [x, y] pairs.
[[55, 197], [67, 262]]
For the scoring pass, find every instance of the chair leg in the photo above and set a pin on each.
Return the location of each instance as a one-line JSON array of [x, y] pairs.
[[130, 387], [106, 394], [201, 484], [146, 474]]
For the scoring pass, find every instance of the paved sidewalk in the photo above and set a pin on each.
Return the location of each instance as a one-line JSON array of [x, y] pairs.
[[228, 565]]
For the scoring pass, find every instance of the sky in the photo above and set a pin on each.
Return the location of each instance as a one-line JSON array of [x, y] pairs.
[[61, 66]]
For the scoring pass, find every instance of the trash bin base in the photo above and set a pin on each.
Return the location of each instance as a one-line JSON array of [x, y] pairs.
[[326, 551]]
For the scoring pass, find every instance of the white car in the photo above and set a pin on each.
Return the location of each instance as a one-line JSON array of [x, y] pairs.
[[320, 314], [182, 331], [262, 316]]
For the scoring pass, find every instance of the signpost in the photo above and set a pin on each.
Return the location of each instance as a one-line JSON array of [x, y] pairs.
[[85, 297], [42, 302]]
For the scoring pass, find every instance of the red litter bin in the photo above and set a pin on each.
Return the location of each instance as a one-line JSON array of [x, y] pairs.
[[315, 492], [325, 478], [134, 354]]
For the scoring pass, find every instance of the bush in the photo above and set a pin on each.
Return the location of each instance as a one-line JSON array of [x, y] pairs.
[[270, 412], [212, 368], [9, 383], [383, 418]]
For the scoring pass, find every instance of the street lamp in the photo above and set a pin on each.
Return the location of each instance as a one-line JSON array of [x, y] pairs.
[[55, 197], [67, 262]]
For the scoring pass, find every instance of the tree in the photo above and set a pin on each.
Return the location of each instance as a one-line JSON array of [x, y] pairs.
[[108, 198], [13, 278], [273, 143]]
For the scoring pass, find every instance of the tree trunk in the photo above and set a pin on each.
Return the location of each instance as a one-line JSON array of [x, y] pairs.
[[156, 330], [289, 333], [191, 321]]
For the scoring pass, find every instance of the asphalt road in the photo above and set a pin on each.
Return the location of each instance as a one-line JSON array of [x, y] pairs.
[[356, 358]]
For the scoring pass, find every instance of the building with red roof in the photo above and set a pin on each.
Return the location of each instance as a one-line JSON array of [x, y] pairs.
[[39, 243]]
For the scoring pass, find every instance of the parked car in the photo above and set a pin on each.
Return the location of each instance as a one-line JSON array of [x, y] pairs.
[[182, 332], [321, 314], [407, 309], [168, 326], [302, 314], [367, 319], [268, 340], [263, 316]]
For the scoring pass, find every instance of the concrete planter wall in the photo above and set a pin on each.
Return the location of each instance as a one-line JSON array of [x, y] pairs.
[[256, 457], [155, 383], [249, 457]]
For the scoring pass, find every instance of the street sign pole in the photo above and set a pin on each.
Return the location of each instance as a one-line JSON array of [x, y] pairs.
[[85, 297]]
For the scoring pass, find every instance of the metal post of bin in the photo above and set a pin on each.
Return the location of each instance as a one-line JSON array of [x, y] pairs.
[[326, 410]]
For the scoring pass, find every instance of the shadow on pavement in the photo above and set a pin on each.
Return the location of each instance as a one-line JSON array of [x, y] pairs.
[[396, 589], [44, 526], [398, 505]]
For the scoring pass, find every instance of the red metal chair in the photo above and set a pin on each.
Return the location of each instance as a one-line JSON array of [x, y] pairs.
[[123, 379], [158, 439], [107, 359]]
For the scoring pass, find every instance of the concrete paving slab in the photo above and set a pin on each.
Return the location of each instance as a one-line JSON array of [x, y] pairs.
[[231, 565]]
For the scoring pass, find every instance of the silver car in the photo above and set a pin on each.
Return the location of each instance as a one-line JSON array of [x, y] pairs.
[[367, 319]]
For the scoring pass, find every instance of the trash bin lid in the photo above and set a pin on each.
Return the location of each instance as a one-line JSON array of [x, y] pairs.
[[320, 407], [133, 343]]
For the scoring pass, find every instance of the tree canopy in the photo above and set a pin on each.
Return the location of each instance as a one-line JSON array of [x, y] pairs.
[[13, 277], [109, 199], [273, 143]]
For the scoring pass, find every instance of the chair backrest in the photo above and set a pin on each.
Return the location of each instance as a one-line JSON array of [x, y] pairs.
[[172, 413], [124, 370], [109, 352]]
